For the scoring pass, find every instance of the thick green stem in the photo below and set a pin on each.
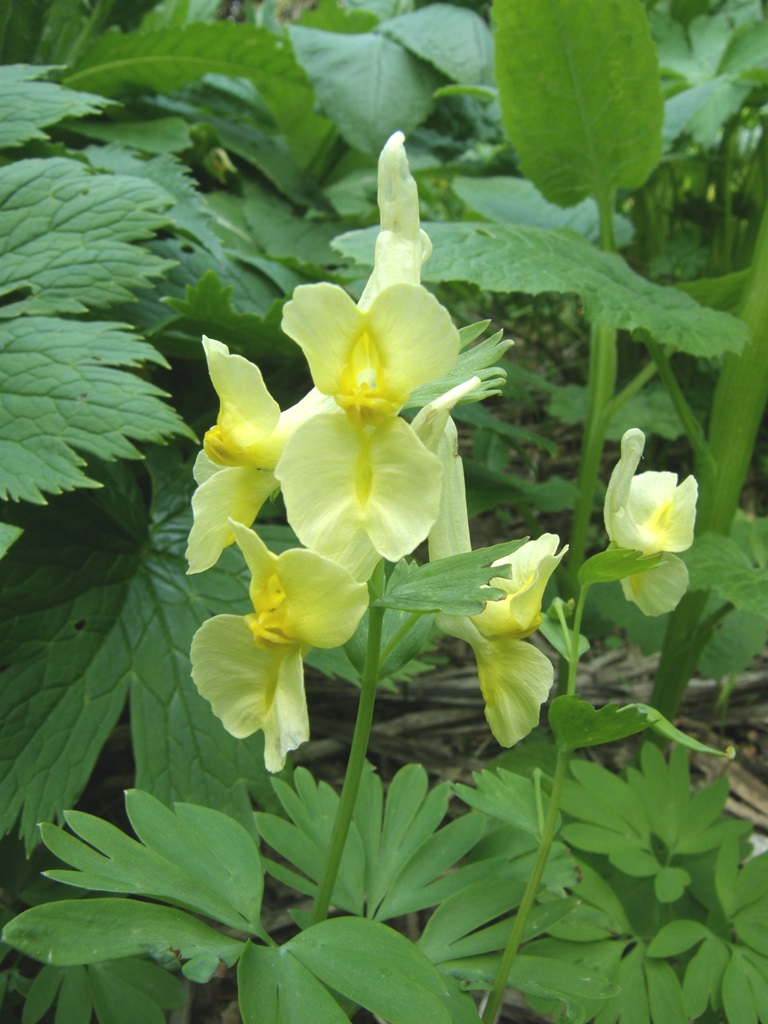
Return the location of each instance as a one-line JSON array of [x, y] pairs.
[[737, 411], [355, 766], [601, 385], [531, 892]]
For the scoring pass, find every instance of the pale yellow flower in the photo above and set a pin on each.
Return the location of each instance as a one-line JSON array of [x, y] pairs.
[[653, 514], [234, 471], [358, 483], [250, 667]]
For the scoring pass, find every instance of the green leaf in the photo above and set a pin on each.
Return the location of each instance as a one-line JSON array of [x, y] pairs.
[[576, 723], [356, 78], [196, 859], [580, 95], [518, 201], [743, 1000], [665, 995], [126, 990], [66, 391], [90, 931], [670, 884], [169, 58], [664, 728], [376, 967], [27, 106], [455, 40], [677, 937], [719, 562], [704, 976], [451, 585], [8, 534], [158, 135], [479, 361], [110, 609], [503, 258], [615, 564], [66, 234], [21, 22], [506, 796], [275, 988]]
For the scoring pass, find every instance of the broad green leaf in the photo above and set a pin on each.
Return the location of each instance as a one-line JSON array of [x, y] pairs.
[[451, 585], [89, 931], [65, 236], [110, 609], [197, 859], [376, 967], [158, 135], [357, 77], [576, 723], [580, 95], [665, 995], [27, 105], [178, 13], [704, 976], [720, 563], [518, 201], [21, 22], [275, 988], [455, 40], [615, 564], [677, 937], [503, 258], [67, 392], [652, 410], [166, 59], [670, 883]]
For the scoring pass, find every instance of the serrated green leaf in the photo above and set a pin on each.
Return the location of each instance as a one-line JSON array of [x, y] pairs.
[[65, 236], [28, 105], [355, 78], [719, 562], [376, 967], [451, 585], [481, 361], [66, 391], [99, 605], [580, 95], [158, 135], [275, 988], [69, 932], [8, 534], [455, 40], [166, 59], [503, 258]]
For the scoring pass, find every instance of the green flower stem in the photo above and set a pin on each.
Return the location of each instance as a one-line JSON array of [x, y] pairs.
[[406, 627], [573, 661], [737, 411], [629, 390], [355, 765], [531, 892], [545, 842], [601, 385]]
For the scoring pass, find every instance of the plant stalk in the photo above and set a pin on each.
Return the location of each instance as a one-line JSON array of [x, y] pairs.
[[349, 791], [531, 892]]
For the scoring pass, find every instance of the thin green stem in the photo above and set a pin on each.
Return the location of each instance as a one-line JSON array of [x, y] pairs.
[[406, 627], [531, 892], [355, 765], [690, 423], [629, 390], [573, 661]]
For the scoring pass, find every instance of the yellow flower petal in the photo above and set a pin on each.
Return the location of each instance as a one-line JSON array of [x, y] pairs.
[[225, 493], [340, 482], [515, 678], [248, 412], [249, 688], [450, 534], [519, 614], [371, 361], [659, 590]]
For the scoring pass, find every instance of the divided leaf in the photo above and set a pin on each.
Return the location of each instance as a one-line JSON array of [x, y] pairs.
[[28, 105]]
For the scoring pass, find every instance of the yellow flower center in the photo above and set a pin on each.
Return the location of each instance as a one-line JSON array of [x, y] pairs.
[[267, 623], [658, 527], [363, 383]]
